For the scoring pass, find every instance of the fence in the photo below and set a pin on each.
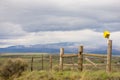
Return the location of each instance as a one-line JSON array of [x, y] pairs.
[[42, 59], [34, 61], [81, 54], [47, 62]]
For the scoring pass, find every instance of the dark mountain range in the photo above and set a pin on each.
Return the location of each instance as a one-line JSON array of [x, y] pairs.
[[54, 48]]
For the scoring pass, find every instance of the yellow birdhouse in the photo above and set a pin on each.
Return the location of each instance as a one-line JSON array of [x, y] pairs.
[[106, 34]]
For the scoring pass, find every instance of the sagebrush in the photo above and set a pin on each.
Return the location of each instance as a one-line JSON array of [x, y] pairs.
[[13, 68]]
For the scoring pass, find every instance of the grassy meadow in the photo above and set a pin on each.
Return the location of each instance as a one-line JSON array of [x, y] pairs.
[[89, 72]]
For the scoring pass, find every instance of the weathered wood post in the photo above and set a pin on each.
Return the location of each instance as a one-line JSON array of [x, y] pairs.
[[109, 56], [50, 62], [80, 58], [72, 60], [61, 58], [42, 61], [32, 64]]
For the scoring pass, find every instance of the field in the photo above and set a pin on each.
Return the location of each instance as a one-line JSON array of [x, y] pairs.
[[41, 67]]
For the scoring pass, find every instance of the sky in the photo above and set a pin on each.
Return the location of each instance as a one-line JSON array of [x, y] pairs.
[[30, 22]]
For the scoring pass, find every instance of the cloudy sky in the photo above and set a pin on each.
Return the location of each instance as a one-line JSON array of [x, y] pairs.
[[29, 22]]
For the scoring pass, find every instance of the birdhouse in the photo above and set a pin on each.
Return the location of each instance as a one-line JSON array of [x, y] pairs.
[[106, 34]]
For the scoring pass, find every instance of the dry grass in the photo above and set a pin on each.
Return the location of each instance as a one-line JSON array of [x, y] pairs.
[[69, 75]]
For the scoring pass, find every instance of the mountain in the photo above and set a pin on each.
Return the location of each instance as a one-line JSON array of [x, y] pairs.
[[48, 48], [69, 47]]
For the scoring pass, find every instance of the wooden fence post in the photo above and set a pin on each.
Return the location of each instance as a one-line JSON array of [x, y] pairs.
[[80, 58], [61, 58], [72, 60], [109, 56], [42, 61], [32, 64], [50, 62]]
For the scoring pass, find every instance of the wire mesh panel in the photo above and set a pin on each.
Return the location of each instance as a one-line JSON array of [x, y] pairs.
[[94, 63]]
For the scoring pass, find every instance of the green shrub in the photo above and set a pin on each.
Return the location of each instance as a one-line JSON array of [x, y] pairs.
[[12, 68]]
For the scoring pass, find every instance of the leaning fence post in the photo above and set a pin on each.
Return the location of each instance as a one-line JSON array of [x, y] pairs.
[[80, 58], [50, 62], [109, 56], [32, 64], [61, 58]]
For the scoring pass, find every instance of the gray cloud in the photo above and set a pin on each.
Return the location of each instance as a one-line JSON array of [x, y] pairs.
[[61, 15], [9, 30]]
